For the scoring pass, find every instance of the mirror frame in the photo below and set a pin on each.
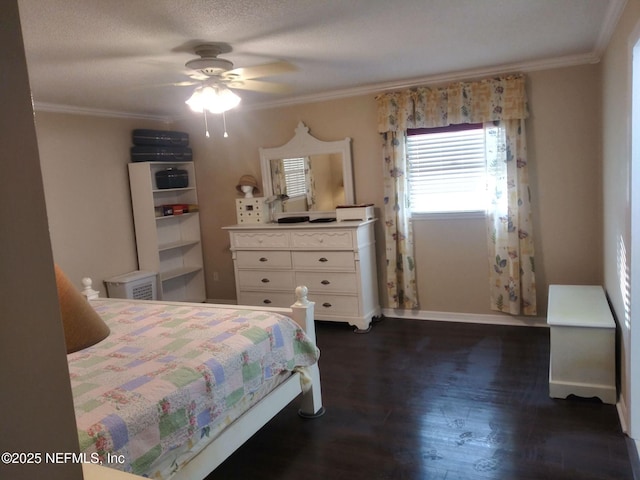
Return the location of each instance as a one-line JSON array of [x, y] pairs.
[[303, 144]]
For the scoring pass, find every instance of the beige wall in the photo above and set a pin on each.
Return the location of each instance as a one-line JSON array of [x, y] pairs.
[[221, 161], [451, 255], [616, 68], [84, 165], [564, 145]]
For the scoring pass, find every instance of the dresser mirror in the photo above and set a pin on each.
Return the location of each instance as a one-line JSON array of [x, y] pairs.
[[308, 177]]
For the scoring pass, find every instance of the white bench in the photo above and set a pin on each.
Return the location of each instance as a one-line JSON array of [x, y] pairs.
[[583, 346]]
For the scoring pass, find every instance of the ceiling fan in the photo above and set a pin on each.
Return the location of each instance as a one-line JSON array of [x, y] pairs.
[[215, 77], [211, 68]]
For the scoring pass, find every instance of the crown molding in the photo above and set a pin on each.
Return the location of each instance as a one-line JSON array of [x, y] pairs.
[[375, 89], [74, 110]]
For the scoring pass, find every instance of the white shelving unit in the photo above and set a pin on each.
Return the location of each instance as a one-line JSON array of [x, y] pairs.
[[169, 245]]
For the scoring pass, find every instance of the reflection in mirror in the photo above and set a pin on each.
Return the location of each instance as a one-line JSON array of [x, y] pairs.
[[313, 183], [314, 176]]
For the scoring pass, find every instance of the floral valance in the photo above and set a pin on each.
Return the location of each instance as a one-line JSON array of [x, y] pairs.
[[492, 99]]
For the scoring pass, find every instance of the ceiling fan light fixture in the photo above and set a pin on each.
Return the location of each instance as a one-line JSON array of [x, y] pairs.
[[210, 66], [214, 98], [195, 102]]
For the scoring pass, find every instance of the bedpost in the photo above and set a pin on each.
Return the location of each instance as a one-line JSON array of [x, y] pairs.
[[88, 290], [302, 312]]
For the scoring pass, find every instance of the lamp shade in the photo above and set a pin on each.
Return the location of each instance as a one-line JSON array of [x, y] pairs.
[[82, 325], [214, 98]]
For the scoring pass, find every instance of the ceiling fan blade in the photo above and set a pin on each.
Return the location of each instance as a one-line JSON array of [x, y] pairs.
[[259, 86], [258, 71], [161, 85], [186, 83]]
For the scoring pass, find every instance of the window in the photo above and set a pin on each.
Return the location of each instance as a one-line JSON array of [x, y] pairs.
[[294, 176], [447, 171]]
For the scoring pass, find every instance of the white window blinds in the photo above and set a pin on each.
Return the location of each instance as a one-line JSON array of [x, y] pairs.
[[294, 176], [447, 171]]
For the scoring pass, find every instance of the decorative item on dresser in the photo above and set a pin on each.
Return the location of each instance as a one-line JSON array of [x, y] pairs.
[[336, 261]]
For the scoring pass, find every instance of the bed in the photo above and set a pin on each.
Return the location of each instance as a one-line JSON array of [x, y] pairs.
[[176, 387]]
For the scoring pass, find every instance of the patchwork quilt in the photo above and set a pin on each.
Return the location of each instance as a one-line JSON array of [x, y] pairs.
[[169, 377]]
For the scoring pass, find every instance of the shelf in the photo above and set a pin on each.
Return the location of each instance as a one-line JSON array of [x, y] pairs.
[[169, 190], [183, 215], [176, 245], [178, 272]]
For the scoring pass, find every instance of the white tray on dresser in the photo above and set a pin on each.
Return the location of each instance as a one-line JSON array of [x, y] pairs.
[[335, 260]]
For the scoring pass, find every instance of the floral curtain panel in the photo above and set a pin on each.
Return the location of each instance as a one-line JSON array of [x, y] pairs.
[[510, 239], [277, 177], [484, 101], [501, 104], [310, 184], [400, 266]]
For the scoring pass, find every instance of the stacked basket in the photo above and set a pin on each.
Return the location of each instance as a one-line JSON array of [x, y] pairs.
[[160, 146]]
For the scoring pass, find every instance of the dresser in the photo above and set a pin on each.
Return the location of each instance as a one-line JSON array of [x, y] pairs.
[[336, 261]]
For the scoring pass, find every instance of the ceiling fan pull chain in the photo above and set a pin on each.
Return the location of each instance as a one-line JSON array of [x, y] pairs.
[[206, 126], [224, 122]]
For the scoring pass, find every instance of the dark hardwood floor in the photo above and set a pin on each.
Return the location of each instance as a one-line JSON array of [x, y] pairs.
[[433, 400]]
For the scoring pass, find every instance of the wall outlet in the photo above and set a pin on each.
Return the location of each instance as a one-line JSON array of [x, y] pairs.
[[216, 277]]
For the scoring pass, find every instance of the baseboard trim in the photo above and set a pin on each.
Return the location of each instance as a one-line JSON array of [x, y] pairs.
[[633, 447], [621, 407], [490, 319]]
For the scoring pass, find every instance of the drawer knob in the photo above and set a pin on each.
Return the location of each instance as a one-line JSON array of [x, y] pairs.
[[326, 305], [265, 280], [322, 259], [264, 259], [325, 282], [266, 301]]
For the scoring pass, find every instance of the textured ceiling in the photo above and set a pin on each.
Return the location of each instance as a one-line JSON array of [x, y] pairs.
[[122, 55]]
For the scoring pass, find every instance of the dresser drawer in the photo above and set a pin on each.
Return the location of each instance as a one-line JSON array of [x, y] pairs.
[[343, 261], [259, 239], [267, 279], [263, 259], [331, 239], [267, 299], [340, 282], [335, 304]]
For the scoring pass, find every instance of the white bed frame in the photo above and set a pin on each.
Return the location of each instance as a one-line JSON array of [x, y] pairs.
[[232, 437]]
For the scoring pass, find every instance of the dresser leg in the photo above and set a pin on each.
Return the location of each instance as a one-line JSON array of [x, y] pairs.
[[369, 326], [362, 330]]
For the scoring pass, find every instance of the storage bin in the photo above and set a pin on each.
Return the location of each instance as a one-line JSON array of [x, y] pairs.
[[172, 178], [137, 285], [145, 136], [151, 153]]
